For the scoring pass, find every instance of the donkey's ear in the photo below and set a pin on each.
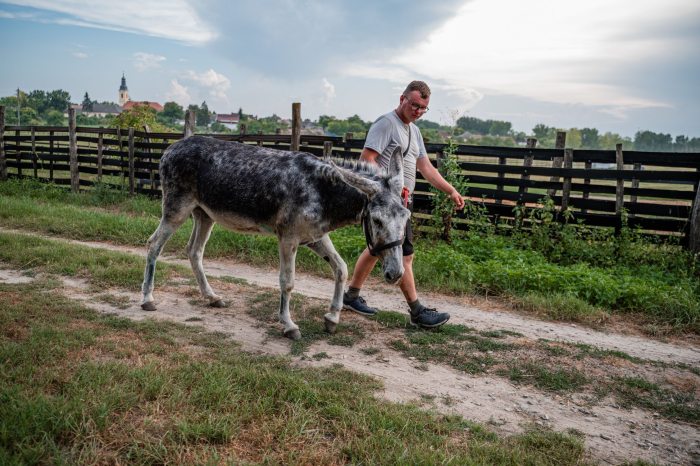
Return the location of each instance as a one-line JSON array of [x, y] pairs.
[[362, 184], [395, 171]]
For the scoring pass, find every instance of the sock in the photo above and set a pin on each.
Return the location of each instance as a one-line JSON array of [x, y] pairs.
[[352, 292], [416, 307]]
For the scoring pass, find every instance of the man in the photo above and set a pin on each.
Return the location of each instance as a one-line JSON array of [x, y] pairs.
[[396, 129]]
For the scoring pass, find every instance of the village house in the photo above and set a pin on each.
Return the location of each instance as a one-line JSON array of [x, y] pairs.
[[229, 120]]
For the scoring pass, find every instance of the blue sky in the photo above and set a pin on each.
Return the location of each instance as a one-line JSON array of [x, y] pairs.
[[617, 65]]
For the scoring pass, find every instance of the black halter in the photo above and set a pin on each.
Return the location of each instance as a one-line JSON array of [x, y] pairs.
[[374, 250]]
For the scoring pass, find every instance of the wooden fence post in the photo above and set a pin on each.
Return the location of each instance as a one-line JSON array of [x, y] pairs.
[[73, 151], [189, 124], [3, 160], [34, 157], [694, 233], [51, 133], [260, 137], [566, 187], [635, 185], [100, 149], [327, 149], [525, 177], [131, 161], [502, 162], [296, 126], [586, 183], [620, 189], [556, 161], [18, 152]]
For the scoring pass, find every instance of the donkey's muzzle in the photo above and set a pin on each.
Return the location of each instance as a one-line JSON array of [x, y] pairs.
[[392, 277]]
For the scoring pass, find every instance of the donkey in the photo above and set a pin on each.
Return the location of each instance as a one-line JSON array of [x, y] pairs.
[[293, 195]]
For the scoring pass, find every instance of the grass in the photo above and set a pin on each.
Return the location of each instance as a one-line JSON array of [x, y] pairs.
[[497, 351], [79, 387], [553, 367], [102, 268], [308, 315], [572, 277]]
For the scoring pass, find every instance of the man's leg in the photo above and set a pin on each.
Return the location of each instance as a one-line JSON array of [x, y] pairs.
[[408, 283], [421, 316], [351, 298], [363, 267]]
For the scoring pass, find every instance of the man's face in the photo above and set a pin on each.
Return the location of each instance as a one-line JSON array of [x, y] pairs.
[[413, 106]]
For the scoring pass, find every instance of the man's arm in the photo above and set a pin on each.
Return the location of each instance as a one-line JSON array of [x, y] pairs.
[[368, 155], [434, 177]]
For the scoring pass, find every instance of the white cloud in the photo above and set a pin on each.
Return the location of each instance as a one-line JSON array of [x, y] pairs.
[[171, 19], [546, 51], [328, 92], [178, 93], [144, 61], [81, 55], [215, 84]]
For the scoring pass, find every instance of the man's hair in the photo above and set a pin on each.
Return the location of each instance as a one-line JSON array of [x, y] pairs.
[[419, 86]]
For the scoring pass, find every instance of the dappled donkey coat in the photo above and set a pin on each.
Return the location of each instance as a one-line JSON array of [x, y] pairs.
[[293, 195]]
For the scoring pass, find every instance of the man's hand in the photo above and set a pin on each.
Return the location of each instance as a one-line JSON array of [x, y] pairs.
[[456, 198]]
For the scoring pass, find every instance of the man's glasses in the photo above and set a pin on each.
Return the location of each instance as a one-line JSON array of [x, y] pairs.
[[416, 107]]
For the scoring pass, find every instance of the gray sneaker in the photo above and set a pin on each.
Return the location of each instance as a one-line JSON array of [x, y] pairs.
[[358, 305], [429, 318]]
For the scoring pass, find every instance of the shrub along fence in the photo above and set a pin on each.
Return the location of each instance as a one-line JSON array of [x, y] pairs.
[[655, 191]]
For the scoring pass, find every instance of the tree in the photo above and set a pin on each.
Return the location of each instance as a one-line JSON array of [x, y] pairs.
[[172, 111], [87, 103], [59, 100], [203, 116], [574, 138], [590, 138], [681, 143], [500, 128], [137, 117], [650, 141], [542, 131], [55, 118]]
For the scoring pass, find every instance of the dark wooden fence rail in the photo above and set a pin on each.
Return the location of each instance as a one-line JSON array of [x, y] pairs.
[[658, 191]]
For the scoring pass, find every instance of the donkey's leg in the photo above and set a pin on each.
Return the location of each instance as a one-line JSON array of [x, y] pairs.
[[203, 224], [171, 221], [288, 254], [324, 248]]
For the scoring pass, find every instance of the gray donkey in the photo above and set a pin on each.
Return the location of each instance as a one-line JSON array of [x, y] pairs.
[[293, 195]]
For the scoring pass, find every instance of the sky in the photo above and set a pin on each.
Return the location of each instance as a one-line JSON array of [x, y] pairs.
[[616, 65]]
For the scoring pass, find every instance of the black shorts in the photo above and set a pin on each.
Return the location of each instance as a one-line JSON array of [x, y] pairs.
[[407, 245]]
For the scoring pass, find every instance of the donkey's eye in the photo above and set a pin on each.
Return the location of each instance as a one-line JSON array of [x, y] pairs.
[[378, 223]]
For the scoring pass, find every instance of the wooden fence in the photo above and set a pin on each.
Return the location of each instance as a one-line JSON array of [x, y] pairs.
[[658, 191]]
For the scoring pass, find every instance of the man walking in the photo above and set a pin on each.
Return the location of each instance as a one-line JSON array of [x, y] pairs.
[[396, 129]]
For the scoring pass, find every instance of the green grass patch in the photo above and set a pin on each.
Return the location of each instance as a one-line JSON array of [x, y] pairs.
[[568, 273], [546, 378], [101, 267], [673, 404], [308, 315], [79, 387], [454, 345]]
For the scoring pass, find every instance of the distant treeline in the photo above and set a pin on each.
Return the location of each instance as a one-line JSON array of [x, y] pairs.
[[40, 107]]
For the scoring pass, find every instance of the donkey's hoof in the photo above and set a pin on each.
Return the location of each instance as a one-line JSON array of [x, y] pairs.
[[217, 303], [293, 334], [149, 306], [331, 326]]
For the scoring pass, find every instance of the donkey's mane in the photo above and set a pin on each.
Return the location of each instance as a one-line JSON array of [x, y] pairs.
[[360, 166]]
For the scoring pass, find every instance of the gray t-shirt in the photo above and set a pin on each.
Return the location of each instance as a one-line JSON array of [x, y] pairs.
[[386, 134]]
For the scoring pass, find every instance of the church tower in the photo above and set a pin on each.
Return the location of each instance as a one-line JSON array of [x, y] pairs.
[[123, 92]]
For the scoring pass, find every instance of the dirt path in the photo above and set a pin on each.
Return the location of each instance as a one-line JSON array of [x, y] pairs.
[[612, 435], [461, 311]]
